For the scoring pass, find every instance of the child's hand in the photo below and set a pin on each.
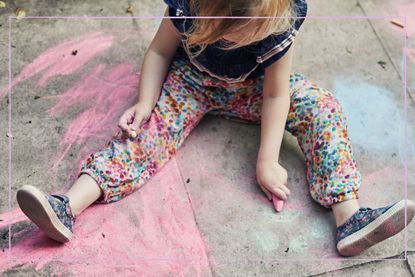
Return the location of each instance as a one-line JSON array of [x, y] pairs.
[[272, 178], [133, 117]]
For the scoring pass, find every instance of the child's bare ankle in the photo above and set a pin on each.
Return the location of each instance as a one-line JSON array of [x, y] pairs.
[[344, 210]]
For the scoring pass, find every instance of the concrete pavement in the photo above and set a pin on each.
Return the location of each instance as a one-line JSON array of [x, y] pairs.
[[203, 213]]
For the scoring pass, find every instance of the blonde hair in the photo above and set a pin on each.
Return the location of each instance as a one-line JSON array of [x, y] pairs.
[[206, 31]]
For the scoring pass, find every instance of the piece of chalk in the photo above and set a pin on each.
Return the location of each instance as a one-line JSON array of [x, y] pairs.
[[133, 134], [397, 23], [278, 203]]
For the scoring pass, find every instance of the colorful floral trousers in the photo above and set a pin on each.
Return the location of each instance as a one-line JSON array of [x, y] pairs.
[[315, 118]]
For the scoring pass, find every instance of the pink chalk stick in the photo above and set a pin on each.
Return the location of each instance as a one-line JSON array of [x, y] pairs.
[[278, 203]]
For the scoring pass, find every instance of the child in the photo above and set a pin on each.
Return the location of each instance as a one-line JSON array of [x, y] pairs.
[[239, 68]]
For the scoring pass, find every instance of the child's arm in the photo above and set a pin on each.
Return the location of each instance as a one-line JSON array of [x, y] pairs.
[[276, 102], [275, 106], [156, 62]]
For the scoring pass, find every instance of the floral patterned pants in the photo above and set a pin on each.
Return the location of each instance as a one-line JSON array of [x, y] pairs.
[[315, 118]]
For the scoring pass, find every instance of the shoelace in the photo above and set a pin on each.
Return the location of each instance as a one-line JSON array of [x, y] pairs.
[[358, 215], [365, 209], [65, 203]]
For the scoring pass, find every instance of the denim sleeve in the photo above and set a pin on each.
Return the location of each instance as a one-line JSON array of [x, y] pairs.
[[276, 57], [301, 12], [286, 38], [179, 8]]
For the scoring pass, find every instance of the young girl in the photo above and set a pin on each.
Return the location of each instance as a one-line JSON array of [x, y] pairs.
[[240, 68]]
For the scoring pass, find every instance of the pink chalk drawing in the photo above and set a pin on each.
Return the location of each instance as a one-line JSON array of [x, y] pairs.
[[149, 235], [104, 98], [60, 61]]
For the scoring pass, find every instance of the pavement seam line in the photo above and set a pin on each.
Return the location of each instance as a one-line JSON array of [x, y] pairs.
[[193, 212], [408, 264]]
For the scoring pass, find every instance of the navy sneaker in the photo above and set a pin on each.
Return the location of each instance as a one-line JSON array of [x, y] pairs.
[[51, 213], [367, 227]]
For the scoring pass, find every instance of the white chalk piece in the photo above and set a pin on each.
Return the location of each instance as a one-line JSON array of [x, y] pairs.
[[133, 134]]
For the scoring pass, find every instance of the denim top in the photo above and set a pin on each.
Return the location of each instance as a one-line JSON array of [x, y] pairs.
[[242, 63]]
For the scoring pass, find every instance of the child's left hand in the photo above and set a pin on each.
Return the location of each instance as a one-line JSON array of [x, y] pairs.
[[272, 178]]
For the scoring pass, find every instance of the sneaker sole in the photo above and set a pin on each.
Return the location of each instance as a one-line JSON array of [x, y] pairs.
[[37, 208], [386, 225]]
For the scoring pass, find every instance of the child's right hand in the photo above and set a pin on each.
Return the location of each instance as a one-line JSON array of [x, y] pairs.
[[133, 117]]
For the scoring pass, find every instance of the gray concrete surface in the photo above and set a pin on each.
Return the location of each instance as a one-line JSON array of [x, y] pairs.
[[242, 233]]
